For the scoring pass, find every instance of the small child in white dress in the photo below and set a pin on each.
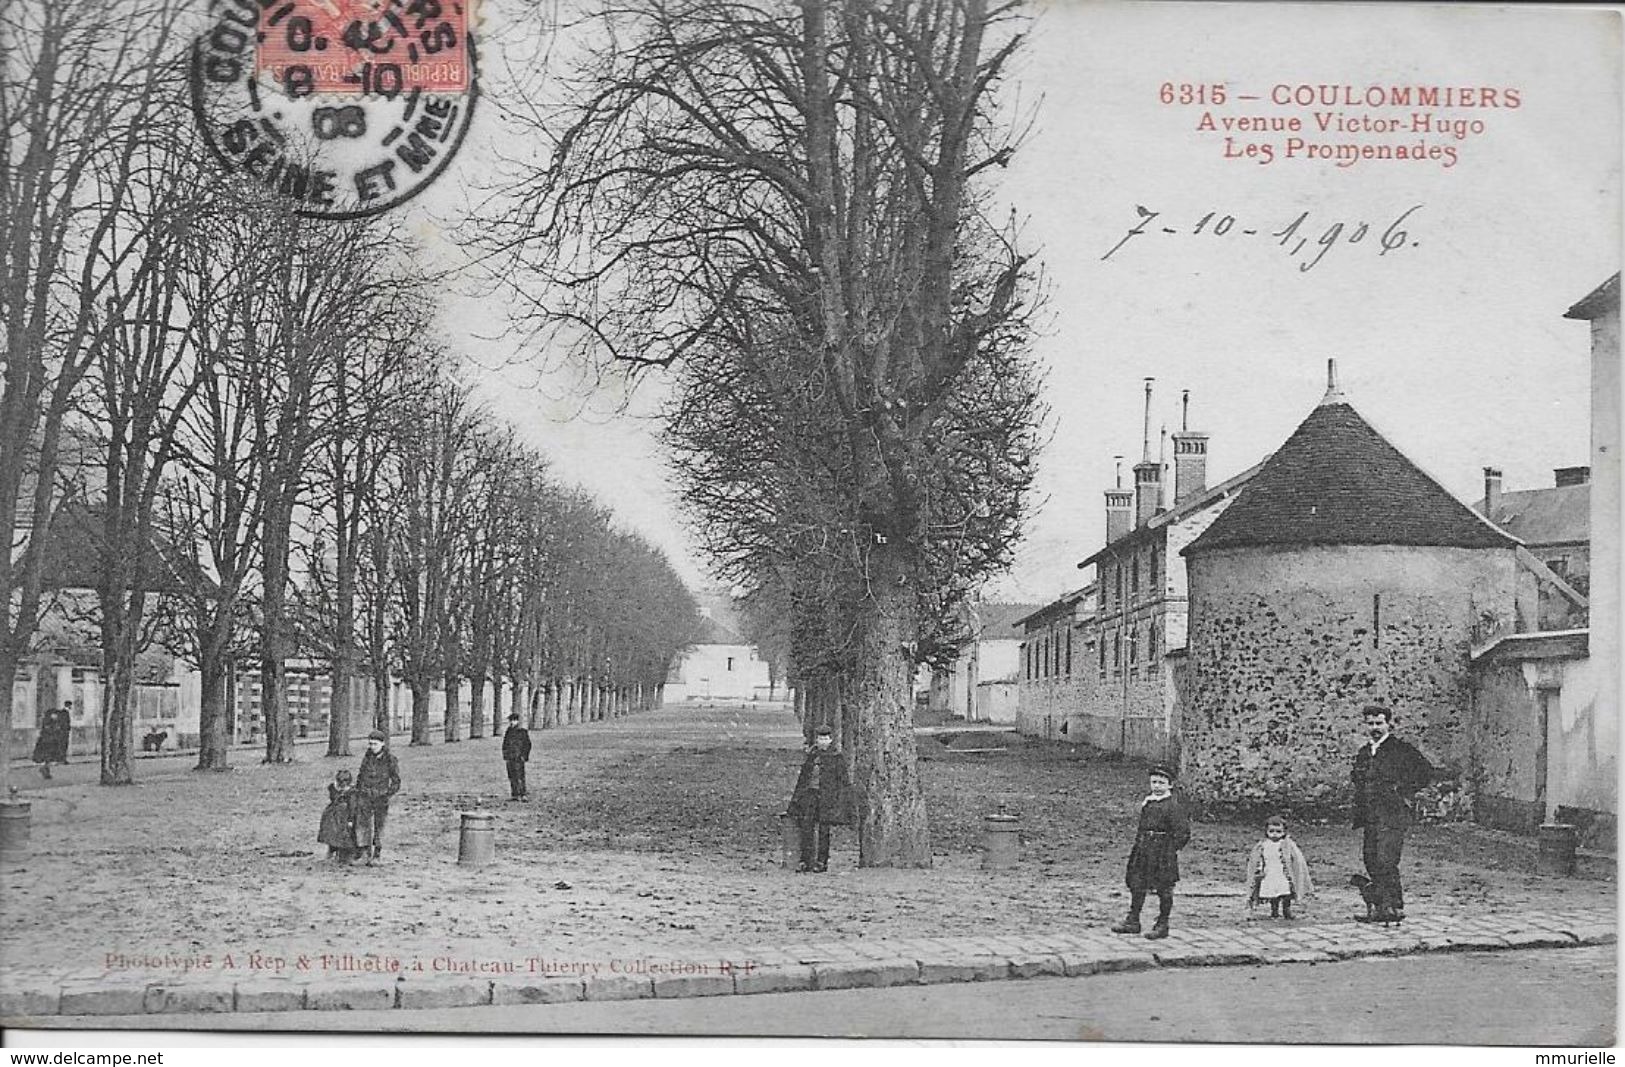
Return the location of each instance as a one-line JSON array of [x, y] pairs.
[[1277, 871]]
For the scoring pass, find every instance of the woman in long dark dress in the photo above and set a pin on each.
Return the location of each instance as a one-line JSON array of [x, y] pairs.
[[52, 744], [339, 820]]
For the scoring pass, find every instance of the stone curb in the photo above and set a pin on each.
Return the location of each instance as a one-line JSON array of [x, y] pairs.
[[873, 965]]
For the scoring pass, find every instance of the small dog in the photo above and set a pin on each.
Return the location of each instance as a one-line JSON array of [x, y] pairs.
[[1373, 900]]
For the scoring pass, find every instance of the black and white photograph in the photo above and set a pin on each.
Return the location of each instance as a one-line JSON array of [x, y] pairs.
[[1065, 521]]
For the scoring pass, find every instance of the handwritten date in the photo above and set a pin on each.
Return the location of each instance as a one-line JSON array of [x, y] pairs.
[[1305, 242]]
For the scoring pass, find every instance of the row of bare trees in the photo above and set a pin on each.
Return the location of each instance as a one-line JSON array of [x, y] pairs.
[[786, 202], [248, 418]]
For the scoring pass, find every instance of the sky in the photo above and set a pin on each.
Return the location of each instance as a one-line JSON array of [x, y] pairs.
[[1452, 342]]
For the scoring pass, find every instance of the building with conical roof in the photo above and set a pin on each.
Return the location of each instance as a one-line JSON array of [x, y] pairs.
[[1342, 576]]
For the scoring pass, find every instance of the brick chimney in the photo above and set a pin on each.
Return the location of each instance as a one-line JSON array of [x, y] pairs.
[[1190, 456], [1147, 472], [1147, 490], [1119, 507], [1572, 476], [1492, 492]]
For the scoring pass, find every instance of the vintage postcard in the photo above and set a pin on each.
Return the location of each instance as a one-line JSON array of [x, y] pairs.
[[1071, 521]]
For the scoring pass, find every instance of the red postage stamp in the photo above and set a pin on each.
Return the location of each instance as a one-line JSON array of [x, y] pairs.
[[370, 47]]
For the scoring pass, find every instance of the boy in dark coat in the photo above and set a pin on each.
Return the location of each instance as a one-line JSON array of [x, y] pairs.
[[1153, 864], [822, 798], [515, 751], [1387, 775], [378, 779]]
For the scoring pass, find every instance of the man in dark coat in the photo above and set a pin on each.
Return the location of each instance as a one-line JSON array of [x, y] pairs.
[[515, 751], [1387, 774], [51, 746], [822, 798], [378, 779]]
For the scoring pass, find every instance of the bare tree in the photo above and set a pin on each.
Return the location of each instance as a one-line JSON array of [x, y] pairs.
[[782, 197], [367, 396], [320, 279], [79, 84], [148, 372], [433, 480]]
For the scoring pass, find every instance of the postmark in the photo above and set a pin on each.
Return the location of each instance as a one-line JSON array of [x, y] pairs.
[[346, 107]]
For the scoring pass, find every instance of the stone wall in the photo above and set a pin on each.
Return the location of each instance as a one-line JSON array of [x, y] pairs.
[[1287, 645]]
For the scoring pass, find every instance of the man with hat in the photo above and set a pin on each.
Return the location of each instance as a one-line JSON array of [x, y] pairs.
[[822, 798], [1387, 775], [378, 779], [515, 751]]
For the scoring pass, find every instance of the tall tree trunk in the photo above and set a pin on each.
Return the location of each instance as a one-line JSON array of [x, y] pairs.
[[454, 710], [117, 730], [274, 637], [214, 733], [10, 660], [497, 721], [476, 707], [892, 829], [121, 621], [380, 699], [420, 710], [344, 652]]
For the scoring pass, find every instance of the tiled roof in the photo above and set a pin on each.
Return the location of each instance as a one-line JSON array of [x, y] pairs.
[[73, 553], [714, 632], [999, 620], [1059, 606], [1337, 481], [1560, 515]]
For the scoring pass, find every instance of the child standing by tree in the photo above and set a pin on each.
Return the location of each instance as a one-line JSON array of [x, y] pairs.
[[1153, 864], [1277, 871], [338, 820]]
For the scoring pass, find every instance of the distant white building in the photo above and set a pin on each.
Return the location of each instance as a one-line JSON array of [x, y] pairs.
[[722, 665], [981, 685]]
